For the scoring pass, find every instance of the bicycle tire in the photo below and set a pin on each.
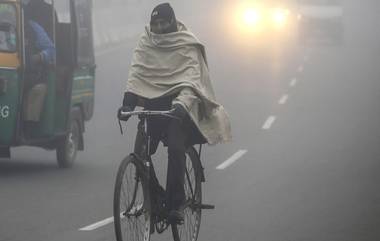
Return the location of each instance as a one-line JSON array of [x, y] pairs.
[[189, 230], [127, 213]]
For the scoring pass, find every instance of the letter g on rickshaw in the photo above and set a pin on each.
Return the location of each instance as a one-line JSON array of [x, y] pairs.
[[47, 75]]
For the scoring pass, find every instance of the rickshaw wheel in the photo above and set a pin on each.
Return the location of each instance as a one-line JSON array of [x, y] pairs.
[[68, 147]]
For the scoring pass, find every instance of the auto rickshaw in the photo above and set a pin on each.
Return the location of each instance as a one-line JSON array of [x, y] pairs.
[[64, 96]]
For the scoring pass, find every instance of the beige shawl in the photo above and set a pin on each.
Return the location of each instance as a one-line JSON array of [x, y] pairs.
[[175, 63]]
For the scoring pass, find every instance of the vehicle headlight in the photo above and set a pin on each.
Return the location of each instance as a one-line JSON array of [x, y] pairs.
[[251, 17], [280, 16]]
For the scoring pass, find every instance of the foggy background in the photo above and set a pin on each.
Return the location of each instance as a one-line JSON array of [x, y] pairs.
[[310, 166]]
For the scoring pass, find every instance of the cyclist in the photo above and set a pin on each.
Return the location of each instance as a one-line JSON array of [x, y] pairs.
[[169, 71]]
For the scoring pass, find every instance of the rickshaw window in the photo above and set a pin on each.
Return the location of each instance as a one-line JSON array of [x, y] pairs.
[[63, 11], [8, 28]]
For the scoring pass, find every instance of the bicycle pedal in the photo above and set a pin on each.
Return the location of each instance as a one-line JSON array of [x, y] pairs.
[[177, 222]]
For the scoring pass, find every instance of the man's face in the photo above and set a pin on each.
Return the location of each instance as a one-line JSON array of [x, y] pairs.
[[160, 26]]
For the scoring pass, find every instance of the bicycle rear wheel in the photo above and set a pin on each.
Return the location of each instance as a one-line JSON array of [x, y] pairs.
[[189, 230], [131, 204]]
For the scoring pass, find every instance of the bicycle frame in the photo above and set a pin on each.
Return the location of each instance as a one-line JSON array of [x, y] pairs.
[[142, 153], [142, 150]]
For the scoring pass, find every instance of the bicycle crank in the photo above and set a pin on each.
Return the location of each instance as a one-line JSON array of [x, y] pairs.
[[203, 206]]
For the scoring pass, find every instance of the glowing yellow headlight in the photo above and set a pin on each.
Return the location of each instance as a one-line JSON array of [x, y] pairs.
[[280, 16], [251, 17]]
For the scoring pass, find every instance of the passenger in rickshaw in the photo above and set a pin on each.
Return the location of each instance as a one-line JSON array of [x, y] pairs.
[[42, 13], [39, 54]]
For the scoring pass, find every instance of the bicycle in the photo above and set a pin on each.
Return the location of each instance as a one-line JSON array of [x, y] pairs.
[[139, 203]]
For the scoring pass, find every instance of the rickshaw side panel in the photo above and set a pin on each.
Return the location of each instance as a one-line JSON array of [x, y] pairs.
[[10, 83], [9, 106], [83, 87], [46, 126], [83, 92]]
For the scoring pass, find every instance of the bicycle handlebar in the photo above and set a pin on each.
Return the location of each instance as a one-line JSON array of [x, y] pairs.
[[167, 113]]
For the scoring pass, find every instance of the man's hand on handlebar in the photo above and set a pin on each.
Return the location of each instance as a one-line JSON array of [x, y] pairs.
[[124, 109]]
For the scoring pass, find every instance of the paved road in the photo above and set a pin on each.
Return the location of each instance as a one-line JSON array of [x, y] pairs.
[[304, 119]]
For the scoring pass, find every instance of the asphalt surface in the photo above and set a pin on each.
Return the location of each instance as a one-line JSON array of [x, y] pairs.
[[305, 121]]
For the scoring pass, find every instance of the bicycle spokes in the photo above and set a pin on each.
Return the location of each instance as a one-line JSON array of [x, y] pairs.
[[131, 204], [189, 230], [135, 211]]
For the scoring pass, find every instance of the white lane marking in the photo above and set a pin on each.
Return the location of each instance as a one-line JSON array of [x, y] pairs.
[[300, 69], [232, 159], [97, 225], [283, 99], [269, 122], [293, 82], [306, 58], [107, 221]]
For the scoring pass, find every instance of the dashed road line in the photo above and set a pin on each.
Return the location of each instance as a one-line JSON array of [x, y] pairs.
[[232, 159], [283, 99], [293, 82], [98, 224], [269, 122]]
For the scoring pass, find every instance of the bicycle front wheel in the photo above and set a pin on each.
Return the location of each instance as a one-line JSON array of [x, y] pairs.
[[131, 204], [189, 230]]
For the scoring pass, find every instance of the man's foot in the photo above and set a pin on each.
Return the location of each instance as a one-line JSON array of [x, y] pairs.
[[176, 216]]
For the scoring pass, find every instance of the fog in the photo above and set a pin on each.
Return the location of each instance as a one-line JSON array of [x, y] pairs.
[[302, 96]]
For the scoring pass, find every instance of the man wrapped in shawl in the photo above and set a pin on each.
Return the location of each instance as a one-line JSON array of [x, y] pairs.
[[169, 71]]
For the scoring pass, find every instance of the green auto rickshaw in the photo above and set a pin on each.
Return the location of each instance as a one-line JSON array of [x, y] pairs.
[[46, 105]]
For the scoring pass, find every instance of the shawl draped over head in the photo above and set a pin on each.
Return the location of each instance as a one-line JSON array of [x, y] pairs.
[[176, 64]]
